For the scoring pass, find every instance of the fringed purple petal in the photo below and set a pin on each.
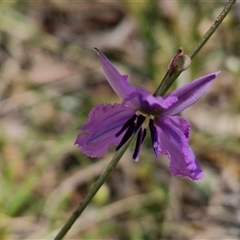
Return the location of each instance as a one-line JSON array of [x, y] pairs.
[[173, 133], [118, 82], [99, 132], [189, 94]]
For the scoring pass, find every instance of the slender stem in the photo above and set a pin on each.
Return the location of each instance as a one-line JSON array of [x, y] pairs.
[[212, 29], [163, 82], [101, 180], [198, 47]]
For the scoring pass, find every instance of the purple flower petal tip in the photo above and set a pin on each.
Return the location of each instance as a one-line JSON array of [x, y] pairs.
[[189, 93], [118, 82], [194, 175]]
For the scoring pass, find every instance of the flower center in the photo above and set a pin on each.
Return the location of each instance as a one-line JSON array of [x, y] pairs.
[[138, 123]]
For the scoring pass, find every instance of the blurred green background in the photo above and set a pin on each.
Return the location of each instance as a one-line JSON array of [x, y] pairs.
[[50, 78]]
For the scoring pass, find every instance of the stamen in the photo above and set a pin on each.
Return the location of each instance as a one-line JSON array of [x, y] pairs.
[[144, 134], [140, 137], [154, 137], [140, 121], [126, 136], [126, 125], [132, 125]]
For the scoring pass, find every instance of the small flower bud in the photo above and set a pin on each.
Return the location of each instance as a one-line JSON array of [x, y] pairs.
[[179, 61], [173, 65]]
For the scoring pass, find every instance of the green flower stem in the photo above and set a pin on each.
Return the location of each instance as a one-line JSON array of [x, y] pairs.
[[101, 180], [171, 77], [212, 29]]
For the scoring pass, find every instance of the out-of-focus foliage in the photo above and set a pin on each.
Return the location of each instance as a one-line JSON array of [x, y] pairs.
[[50, 78]]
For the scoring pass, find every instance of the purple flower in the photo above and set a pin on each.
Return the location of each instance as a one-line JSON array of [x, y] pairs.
[[112, 125]]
